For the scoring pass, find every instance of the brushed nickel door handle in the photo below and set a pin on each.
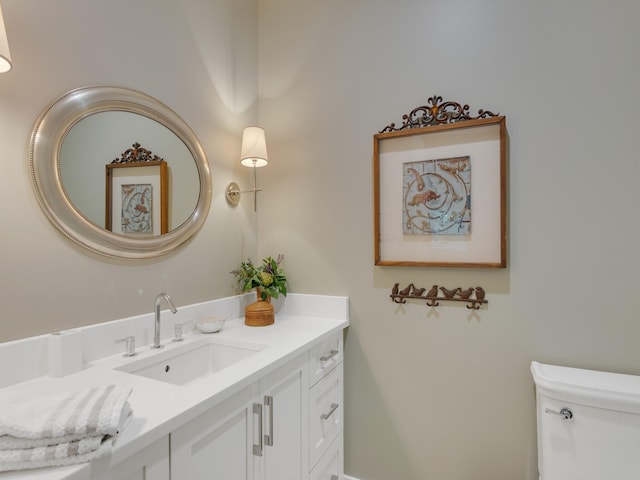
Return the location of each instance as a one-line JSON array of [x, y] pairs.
[[268, 438], [257, 410]]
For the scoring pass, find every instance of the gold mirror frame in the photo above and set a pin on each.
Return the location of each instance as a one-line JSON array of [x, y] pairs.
[[49, 132]]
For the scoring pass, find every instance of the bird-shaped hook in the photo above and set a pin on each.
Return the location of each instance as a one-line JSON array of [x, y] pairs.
[[449, 293], [417, 292], [433, 292], [465, 293]]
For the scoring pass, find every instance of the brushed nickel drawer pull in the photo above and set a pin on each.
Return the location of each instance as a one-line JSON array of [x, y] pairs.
[[325, 416], [332, 354]]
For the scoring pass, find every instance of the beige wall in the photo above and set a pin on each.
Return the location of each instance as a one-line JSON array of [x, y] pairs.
[[199, 58], [448, 394]]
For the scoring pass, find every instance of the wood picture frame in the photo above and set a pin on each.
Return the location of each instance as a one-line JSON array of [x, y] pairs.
[[440, 189], [137, 198]]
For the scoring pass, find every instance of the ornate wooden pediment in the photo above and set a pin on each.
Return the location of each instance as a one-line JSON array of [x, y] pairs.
[[437, 112], [137, 154]]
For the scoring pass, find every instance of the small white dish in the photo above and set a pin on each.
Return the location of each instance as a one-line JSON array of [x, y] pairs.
[[210, 323]]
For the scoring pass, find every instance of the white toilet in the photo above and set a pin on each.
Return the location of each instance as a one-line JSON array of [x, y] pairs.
[[588, 424]]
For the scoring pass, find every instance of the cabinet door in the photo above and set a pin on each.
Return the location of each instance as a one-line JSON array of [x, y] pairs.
[[152, 463], [219, 443], [285, 405]]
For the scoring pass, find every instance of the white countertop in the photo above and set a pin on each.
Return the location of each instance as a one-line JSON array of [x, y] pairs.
[[160, 407]]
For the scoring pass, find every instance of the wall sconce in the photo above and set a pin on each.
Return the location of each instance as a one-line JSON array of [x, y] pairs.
[[254, 155], [5, 55]]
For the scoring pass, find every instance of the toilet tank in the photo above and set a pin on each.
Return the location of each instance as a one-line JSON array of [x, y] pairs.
[[588, 424]]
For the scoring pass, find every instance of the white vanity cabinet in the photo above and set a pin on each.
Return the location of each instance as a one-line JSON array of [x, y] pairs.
[[326, 419], [276, 414], [330, 466], [285, 410], [218, 443], [256, 434], [152, 463], [286, 426]]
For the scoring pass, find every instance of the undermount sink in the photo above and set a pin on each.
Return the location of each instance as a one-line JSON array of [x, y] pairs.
[[190, 362]]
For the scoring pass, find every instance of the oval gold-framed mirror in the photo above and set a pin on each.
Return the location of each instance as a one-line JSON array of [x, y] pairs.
[[57, 195]]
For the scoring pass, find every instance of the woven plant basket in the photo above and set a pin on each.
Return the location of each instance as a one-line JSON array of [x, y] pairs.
[[260, 313]]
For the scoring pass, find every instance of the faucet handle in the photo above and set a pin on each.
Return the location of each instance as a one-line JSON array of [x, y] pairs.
[[178, 330], [130, 346]]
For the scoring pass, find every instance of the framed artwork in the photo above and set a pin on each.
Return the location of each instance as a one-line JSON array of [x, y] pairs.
[[137, 198], [440, 189]]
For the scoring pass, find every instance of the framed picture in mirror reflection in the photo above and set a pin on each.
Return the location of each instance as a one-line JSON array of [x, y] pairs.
[[137, 198]]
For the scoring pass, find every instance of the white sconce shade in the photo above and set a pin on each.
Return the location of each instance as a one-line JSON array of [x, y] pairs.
[[5, 55], [253, 154], [254, 148]]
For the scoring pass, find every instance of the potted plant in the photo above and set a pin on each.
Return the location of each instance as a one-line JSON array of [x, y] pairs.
[[269, 280]]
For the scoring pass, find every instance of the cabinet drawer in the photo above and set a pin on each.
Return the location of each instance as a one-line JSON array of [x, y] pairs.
[[330, 466], [326, 414], [324, 357]]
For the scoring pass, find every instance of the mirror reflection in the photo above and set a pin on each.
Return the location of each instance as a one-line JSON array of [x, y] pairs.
[[97, 140], [84, 131]]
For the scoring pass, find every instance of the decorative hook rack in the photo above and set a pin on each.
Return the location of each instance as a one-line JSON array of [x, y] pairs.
[[473, 296]]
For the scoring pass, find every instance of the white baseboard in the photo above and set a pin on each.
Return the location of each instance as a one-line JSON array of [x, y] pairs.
[[347, 477]]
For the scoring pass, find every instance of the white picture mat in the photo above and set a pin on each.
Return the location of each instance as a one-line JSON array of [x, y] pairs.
[[482, 144], [123, 176]]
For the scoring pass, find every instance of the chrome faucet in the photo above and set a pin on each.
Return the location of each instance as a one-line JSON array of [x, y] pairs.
[[156, 333]]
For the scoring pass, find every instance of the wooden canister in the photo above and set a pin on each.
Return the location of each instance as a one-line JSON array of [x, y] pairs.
[[259, 314]]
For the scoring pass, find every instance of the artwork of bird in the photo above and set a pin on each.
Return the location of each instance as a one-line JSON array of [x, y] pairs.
[[449, 293], [433, 293], [453, 170], [465, 293], [480, 293], [423, 198], [405, 291], [394, 290]]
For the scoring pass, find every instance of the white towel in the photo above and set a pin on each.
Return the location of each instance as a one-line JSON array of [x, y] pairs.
[[69, 453], [62, 429]]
